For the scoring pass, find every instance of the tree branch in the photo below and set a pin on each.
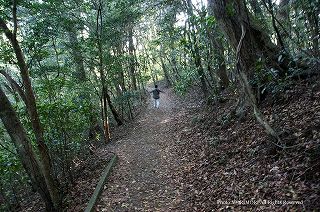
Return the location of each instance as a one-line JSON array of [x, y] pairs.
[[6, 148], [14, 15], [14, 85], [270, 10]]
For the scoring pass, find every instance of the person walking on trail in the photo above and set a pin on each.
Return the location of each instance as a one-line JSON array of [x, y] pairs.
[[156, 96]]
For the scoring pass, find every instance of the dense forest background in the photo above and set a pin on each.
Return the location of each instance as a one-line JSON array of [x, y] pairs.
[[73, 70]]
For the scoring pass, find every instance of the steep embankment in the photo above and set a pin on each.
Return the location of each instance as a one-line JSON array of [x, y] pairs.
[[233, 160]]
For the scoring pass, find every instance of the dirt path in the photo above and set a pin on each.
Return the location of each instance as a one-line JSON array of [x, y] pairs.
[[143, 179]]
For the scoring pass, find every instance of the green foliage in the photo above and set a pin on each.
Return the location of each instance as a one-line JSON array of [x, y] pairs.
[[230, 10], [186, 80], [12, 174], [210, 21], [6, 53]]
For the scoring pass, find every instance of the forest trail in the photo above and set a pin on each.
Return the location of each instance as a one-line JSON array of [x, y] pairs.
[[143, 177]]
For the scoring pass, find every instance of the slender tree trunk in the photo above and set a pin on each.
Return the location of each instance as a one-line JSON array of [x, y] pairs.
[[132, 59], [172, 59], [165, 71], [52, 184], [164, 68], [200, 70], [218, 50], [105, 115], [77, 55], [283, 16], [313, 20], [195, 50], [269, 7], [222, 68], [119, 51], [24, 149], [123, 83], [113, 110], [15, 86], [104, 104]]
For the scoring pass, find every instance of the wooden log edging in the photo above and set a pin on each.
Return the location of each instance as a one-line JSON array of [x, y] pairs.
[[94, 198]]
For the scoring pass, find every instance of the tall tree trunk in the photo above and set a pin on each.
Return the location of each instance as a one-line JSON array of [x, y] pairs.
[[45, 161], [200, 70], [163, 65], [218, 50], [195, 50], [269, 6], [121, 79], [104, 104], [256, 43], [165, 70], [15, 86], [132, 59], [283, 15], [23, 147], [113, 109], [170, 15], [123, 83], [313, 19], [77, 55]]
